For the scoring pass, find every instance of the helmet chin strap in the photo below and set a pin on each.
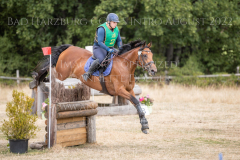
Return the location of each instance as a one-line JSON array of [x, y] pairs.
[[110, 25]]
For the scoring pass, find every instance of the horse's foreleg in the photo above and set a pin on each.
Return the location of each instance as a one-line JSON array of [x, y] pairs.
[[131, 97], [141, 114]]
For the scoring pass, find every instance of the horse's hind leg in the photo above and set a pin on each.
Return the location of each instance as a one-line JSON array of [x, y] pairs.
[[131, 96]]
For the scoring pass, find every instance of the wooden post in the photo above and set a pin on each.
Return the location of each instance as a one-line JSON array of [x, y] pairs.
[[120, 101], [76, 106], [237, 73], [92, 91], [116, 100], [34, 95], [91, 129], [166, 78], [69, 114], [39, 101], [17, 73], [81, 113]]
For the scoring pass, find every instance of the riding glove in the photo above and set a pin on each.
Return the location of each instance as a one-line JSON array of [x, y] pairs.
[[111, 50]]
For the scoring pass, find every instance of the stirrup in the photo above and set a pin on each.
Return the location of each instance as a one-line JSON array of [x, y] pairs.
[[91, 69], [86, 76]]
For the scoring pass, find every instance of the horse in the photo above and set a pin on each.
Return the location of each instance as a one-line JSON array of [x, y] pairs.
[[69, 60]]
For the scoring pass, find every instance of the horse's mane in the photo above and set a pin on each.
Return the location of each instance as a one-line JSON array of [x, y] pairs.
[[131, 45]]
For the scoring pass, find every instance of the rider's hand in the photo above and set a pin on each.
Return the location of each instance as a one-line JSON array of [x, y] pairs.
[[111, 50], [120, 47]]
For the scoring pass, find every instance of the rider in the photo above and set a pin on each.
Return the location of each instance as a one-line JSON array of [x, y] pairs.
[[105, 37]]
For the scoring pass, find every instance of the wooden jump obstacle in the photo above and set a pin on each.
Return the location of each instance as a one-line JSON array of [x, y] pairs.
[[68, 92], [73, 115], [119, 105], [72, 123]]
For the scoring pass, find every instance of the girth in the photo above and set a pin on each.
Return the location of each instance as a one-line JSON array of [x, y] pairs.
[[105, 63], [102, 82]]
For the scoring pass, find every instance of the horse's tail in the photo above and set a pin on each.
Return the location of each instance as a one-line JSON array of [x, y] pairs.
[[41, 70]]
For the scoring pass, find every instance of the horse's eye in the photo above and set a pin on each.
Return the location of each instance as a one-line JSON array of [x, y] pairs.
[[145, 55]]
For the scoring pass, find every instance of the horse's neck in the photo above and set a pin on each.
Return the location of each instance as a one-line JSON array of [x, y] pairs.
[[132, 57]]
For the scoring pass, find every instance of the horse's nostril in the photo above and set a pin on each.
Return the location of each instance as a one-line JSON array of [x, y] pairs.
[[152, 72]]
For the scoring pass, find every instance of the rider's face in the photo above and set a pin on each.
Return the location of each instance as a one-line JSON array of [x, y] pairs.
[[113, 24]]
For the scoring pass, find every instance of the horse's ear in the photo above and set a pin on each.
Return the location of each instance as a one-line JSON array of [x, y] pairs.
[[144, 43], [149, 44]]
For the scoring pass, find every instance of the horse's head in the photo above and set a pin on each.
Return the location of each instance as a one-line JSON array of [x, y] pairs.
[[145, 56]]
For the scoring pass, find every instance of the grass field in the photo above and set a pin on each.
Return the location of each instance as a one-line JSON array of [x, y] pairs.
[[186, 123]]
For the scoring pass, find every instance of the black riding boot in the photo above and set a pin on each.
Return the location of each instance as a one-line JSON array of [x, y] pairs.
[[91, 69]]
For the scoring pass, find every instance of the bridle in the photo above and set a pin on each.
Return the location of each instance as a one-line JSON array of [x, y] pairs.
[[144, 65]]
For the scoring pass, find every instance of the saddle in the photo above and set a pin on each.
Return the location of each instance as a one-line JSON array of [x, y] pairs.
[[105, 63], [102, 67]]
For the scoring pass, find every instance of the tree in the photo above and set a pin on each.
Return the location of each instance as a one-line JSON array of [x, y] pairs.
[[179, 29]]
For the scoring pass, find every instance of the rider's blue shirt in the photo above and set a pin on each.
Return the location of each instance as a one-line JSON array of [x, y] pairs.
[[100, 38]]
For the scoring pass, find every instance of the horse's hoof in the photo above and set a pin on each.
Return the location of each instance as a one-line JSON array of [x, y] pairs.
[[144, 127], [145, 131]]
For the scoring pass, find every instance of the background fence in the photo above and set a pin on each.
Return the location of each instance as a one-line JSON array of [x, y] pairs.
[[164, 78]]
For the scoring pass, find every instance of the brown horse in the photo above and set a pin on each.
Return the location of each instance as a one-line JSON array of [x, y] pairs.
[[70, 60]]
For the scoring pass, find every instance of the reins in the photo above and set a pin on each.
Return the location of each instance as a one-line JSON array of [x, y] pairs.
[[143, 62]]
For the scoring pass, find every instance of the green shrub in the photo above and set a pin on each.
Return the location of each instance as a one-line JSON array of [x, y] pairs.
[[20, 125], [192, 67]]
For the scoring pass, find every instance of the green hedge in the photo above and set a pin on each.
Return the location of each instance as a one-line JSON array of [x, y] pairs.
[[215, 82]]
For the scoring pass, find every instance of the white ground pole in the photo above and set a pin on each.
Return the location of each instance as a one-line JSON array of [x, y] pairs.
[[90, 48], [50, 102]]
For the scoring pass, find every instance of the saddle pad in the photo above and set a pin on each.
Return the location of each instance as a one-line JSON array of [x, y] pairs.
[[96, 73]]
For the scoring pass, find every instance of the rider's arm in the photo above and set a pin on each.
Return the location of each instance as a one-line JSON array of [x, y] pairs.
[[100, 38], [119, 40]]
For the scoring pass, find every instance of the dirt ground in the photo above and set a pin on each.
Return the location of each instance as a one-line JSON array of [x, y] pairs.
[[186, 123]]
